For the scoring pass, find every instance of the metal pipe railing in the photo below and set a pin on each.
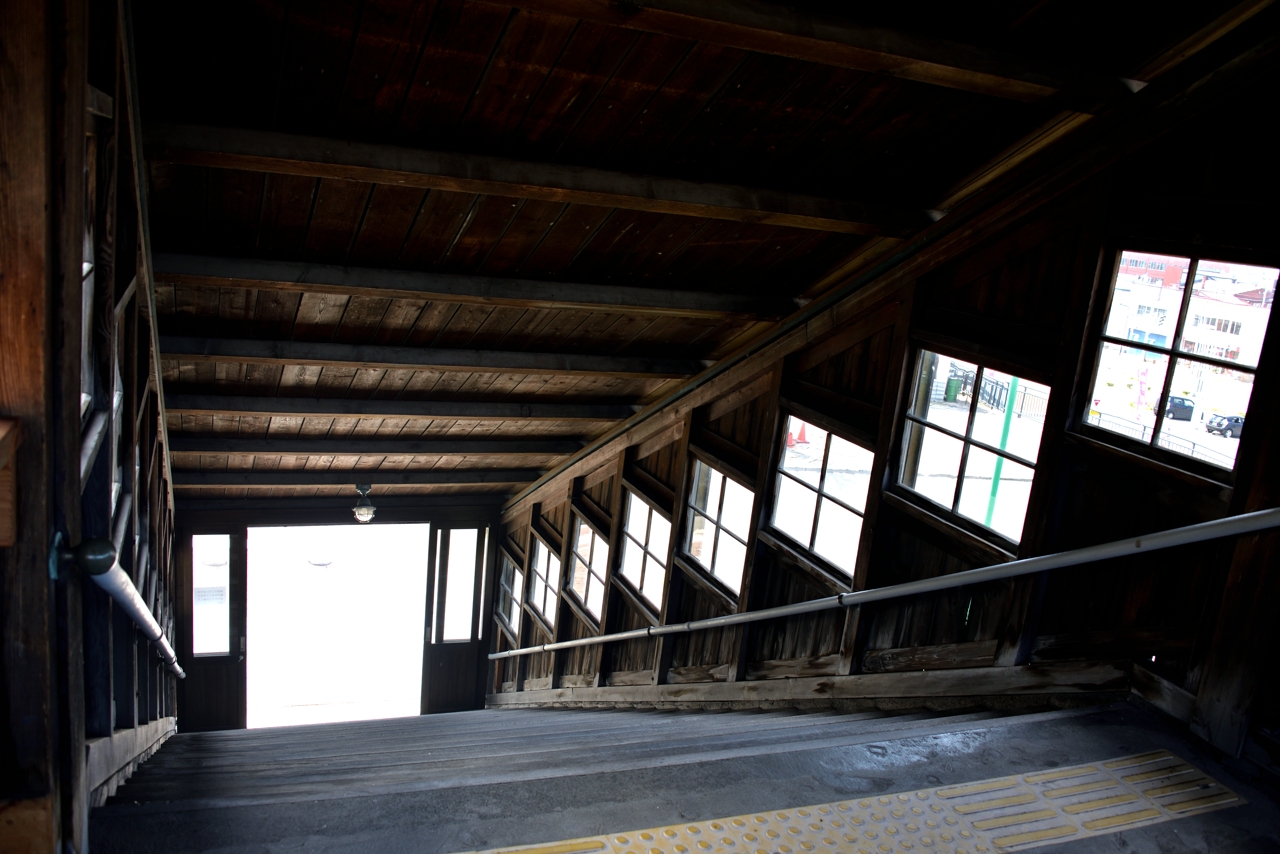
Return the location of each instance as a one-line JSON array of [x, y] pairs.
[[1231, 526], [100, 560]]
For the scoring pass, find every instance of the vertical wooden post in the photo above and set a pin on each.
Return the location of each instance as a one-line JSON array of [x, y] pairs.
[[674, 586], [1243, 642], [608, 610], [751, 592]]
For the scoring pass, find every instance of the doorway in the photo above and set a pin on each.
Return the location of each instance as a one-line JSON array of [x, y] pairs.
[[335, 622]]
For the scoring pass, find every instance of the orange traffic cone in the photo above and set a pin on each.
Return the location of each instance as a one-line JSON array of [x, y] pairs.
[[791, 440], [801, 438]]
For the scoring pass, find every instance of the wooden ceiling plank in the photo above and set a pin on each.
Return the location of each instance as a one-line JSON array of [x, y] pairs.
[[348, 282], [337, 477], [381, 446], [268, 151], [354, 356], [813, 37], [192, 407]]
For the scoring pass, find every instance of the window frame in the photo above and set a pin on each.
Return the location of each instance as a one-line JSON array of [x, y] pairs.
[[577, 519], [949, 518], [1079, 424], [663, 561], [548, 623], [843, 578], [689, 510], [509, 592]]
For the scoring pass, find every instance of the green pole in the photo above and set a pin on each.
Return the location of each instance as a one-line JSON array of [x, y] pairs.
[[1004, 438]]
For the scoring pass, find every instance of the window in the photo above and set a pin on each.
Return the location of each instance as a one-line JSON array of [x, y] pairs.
[[544, 587], [461, 565], [211, 594], [590, 562], [646, 537], [719, 519], [971, 441], [510, 591], [1179, 390], [822, 492]]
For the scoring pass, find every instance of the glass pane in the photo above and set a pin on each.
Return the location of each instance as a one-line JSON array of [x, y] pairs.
[[995, 492], [793, 510], [802, 455], [516, 592], [944, 387], [704, 493], [211, 594], [539, 594], [599, 555], [1204, 415], [1017, 427], [731, 555], [654, 578], [931, 463], [1127, 390], [1147, 297], [632, 561], [736, 515], [579, 580], [637, 517], [659, 537], [848, 473], [838, 534], [1229, 309], [595, 597], [582, 544], [539, 558], [460, 582], [700, 543], [553, 571]]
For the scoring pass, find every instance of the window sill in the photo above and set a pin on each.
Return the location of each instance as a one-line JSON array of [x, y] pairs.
[[708, 583], [539, 621], [975, 548], [580, 611], [637, 602], [810, 565], [1140, 455]]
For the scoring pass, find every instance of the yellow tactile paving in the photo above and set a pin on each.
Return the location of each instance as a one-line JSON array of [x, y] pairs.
[[983, 817]]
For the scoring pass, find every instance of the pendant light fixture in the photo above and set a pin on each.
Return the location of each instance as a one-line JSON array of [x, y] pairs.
[[364, 508]]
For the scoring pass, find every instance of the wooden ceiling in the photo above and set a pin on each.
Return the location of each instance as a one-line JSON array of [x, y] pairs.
[[436, 245]]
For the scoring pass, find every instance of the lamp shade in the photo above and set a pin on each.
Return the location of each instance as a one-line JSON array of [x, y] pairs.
[[364, 508]]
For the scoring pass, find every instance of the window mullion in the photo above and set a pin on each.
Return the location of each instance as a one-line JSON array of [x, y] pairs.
[[1177, 342], [964, 451]]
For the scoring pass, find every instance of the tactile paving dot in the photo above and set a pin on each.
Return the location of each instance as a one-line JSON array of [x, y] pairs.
[[984, 817]]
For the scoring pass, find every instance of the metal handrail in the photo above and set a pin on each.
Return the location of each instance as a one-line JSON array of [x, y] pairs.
[[1231, 526]]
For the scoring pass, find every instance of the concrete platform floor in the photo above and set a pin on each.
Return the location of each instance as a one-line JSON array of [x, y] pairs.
[[564, 804]]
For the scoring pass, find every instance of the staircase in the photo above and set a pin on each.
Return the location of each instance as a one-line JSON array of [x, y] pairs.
[[483, 779]]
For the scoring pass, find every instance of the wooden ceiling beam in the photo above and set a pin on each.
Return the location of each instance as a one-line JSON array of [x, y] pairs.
[[187, 479], [488, 290], [782, 30], [267, 151], [370, 446], [441, 410], [378, 357]]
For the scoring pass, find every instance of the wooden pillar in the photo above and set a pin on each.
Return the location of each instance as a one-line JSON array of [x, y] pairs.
[[1243, 641], [674, 587]]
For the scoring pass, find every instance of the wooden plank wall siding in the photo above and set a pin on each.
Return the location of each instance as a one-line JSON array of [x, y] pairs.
[[1023, 296]]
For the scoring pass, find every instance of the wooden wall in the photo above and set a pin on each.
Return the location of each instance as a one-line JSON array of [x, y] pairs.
[[1021, 290], [92, 458]]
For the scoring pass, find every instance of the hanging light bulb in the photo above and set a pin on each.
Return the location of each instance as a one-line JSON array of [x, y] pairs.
[[364, 508]]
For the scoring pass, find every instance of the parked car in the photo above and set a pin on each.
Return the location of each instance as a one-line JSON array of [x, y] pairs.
[[1180, 408], [1226, 425]]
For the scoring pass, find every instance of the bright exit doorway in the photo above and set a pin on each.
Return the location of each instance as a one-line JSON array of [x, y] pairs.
[[335, 623]]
